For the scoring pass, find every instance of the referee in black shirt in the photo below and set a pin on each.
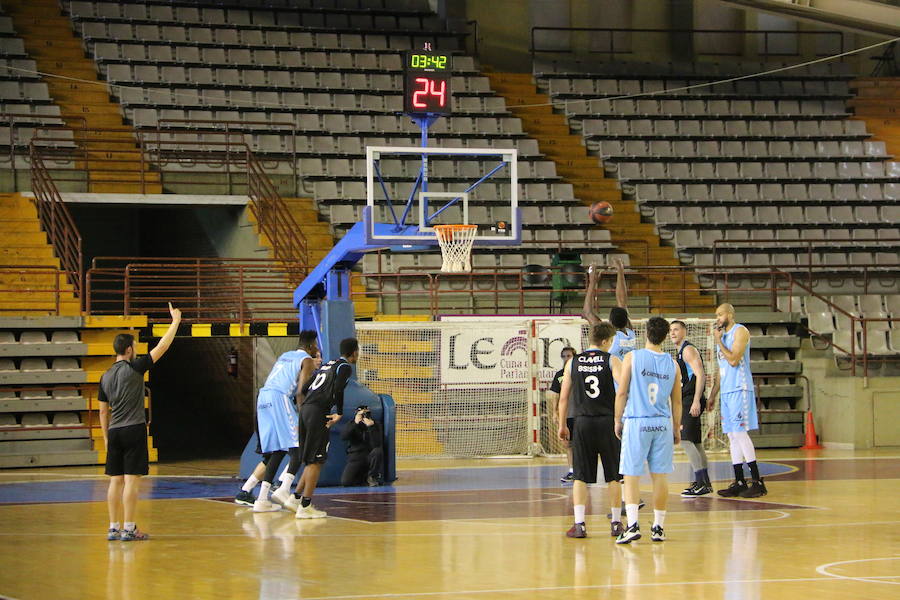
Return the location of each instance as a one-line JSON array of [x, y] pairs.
[[124, 425]]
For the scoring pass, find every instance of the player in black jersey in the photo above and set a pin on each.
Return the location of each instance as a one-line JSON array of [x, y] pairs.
[[589, 382], [324, 390], [693, 403]]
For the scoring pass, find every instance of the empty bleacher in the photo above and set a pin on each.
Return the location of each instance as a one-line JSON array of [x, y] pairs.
[[751, 172], [312, 87]]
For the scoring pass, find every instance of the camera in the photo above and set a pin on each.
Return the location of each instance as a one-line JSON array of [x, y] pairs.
[[366, 413]]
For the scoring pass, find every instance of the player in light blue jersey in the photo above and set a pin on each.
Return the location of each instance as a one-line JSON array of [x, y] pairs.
[[624, 340], [648, 419], [738, 402], [277, 423]]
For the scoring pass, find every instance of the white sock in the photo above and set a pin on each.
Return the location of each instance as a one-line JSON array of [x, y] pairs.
[[264, 490], [129, 525], [114, 525], [250, 484], [571, 470], [286, 480], [616, 513], [579, 513], [659, 518], [631, 513]]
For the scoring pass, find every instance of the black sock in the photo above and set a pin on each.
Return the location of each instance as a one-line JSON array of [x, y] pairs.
[[754, 470], [738, 472], [304, 501]]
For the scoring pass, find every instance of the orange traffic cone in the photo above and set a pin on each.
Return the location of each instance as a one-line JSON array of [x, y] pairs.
[[812, 440]]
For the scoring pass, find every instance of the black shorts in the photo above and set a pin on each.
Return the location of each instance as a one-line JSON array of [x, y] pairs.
[[126, 451], [570, 423], [692, 430], [313, 435], [595, 436]]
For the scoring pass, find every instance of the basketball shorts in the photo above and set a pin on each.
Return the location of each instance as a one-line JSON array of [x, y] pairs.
[[595, 436], [691, 430], [739, 411], [570, 423], [314, 434], [126, 451], [647, 440], [276, 421]]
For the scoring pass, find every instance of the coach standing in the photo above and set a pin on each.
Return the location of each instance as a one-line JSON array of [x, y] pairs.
[[124, 425]]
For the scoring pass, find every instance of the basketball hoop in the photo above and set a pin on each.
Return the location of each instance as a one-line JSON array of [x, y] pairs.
[[456, 246]]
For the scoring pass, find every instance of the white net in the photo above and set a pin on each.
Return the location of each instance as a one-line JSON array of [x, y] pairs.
[[456, 246], [476, 386]]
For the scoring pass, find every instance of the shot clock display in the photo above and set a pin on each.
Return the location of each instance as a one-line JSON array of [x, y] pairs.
[[426, 82]]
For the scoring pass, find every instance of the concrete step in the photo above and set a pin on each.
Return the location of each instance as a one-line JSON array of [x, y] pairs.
[[125, 188], [26, 251], [20, 225]]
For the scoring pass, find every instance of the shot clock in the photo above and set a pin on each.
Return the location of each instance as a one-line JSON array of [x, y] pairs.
[[426, 82]]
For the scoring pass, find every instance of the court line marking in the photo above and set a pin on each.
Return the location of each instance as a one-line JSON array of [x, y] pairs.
[[399, 534], [594, 518], [555, 496], [608, 586], [823, 569]]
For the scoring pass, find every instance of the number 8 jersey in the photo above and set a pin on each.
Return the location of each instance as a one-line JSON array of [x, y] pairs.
[[594, 392], [652, 380]]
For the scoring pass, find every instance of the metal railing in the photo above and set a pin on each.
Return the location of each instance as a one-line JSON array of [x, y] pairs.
[[125, 156], [615, 41], [205, 289], [57, 222], [32, 295], [858, 353], [275, 220]]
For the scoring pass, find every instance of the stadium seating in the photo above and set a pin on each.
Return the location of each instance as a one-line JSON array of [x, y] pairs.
[[332, 87], [757, 172]]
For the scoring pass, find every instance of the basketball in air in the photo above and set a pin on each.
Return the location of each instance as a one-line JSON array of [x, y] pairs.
[[601, 212]]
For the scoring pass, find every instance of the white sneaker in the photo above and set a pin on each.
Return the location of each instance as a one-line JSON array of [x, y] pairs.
[[286, 500], [310, 512], [262, 506]]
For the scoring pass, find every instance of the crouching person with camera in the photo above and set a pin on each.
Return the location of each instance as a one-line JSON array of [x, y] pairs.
[[365, 455]]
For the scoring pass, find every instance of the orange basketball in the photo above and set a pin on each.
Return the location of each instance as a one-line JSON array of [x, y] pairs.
[[601, 212]]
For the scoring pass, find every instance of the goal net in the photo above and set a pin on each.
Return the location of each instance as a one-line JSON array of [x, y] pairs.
[[476, 386]]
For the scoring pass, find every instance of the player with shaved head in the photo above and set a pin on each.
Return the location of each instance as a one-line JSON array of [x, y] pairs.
[[738, 402]]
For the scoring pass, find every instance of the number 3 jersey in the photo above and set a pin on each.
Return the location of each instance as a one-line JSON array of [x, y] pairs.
[[594, 392], [652, 380]]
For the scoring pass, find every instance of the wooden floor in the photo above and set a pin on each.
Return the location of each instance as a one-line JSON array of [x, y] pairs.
[[829, 529]]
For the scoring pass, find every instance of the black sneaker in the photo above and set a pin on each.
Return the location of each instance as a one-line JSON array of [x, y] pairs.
[[244, 498], [700, 490], [733, 490], [568, 478], [657, 534], [755, 490], [689, 491], [616, 528], [629, 535], [577, 531]]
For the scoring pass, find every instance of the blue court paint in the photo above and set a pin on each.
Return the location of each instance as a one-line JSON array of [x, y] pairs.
[[426, 480]]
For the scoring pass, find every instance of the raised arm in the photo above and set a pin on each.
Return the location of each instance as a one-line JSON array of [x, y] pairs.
[[587, 310], [166, 340], [562, 407], [621, 288], [741, 339], [692, 358]]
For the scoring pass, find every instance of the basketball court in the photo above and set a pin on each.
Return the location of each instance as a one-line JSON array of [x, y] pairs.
[[455, 530]]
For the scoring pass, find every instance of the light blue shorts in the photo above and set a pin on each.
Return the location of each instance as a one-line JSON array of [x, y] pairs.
[[276, 421], [647, 440], [739, 411]]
